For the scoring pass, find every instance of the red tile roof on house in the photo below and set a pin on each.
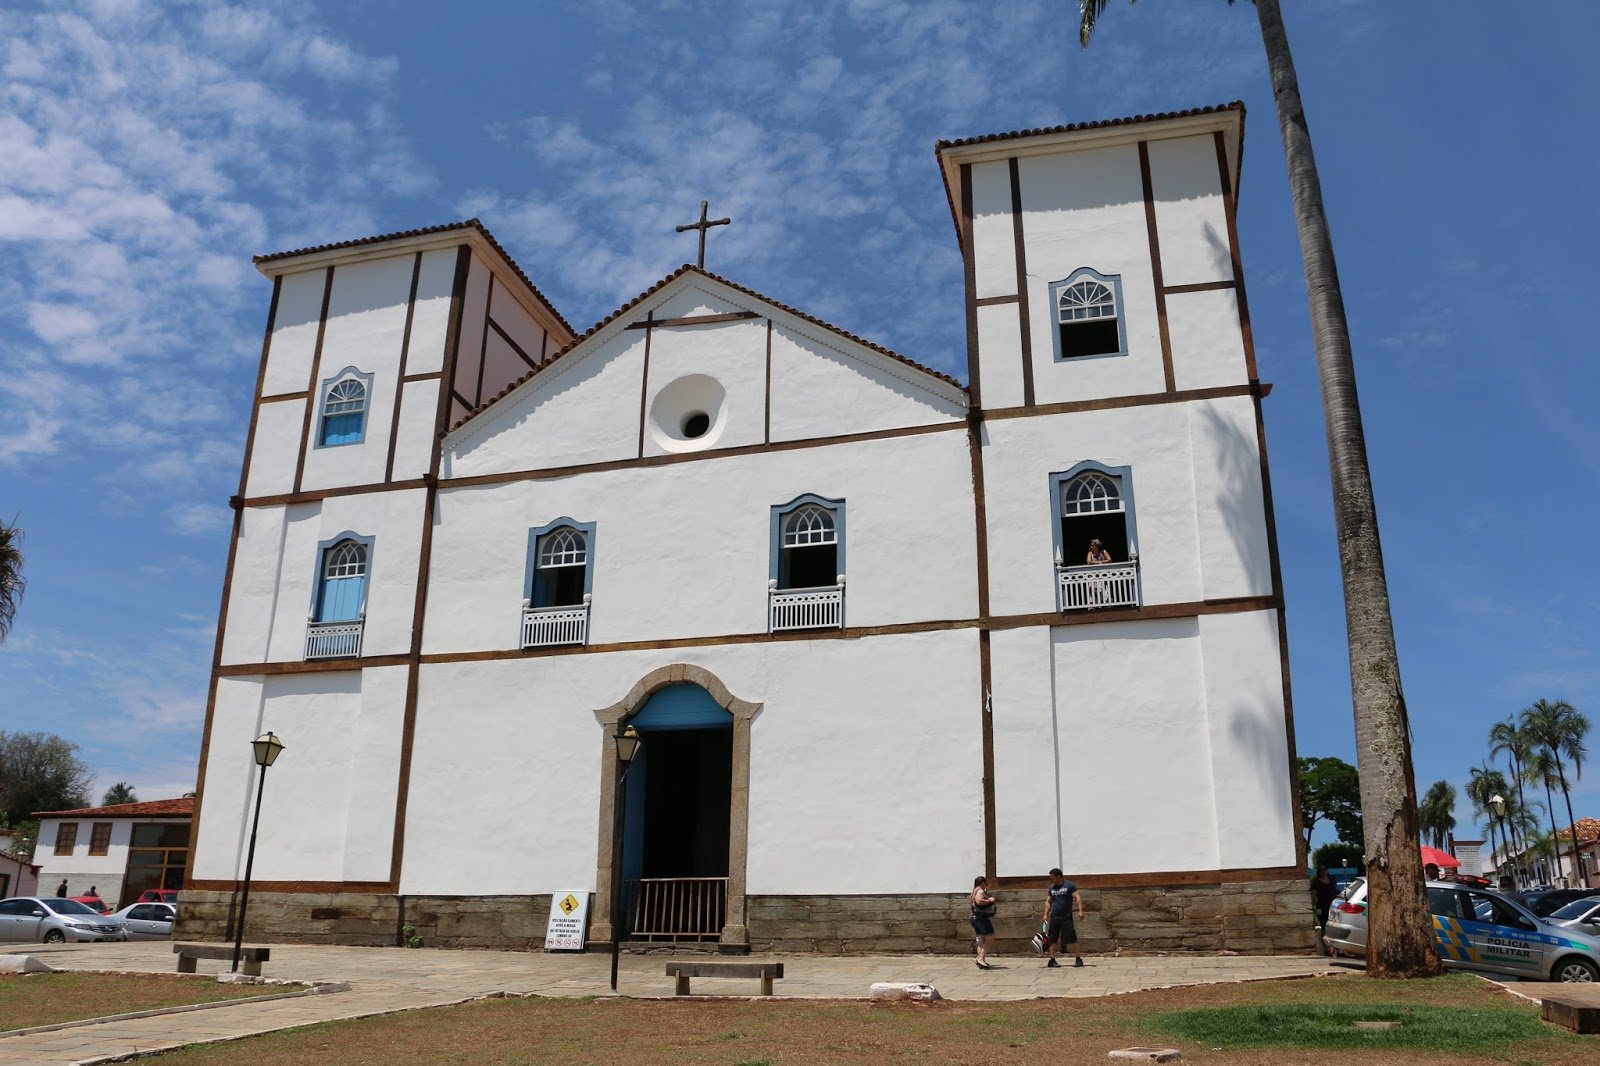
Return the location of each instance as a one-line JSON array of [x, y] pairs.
[[689, 268], [470, 223], [1588, 831], [173, 808]]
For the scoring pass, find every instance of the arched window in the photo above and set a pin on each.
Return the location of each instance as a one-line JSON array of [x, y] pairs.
[[1092, 506], [1088, 307], [342, 595], [560, 564], [344, 408], [809, 540]]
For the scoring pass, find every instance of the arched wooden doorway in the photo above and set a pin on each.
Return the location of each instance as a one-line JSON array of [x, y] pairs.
[[685, 712]]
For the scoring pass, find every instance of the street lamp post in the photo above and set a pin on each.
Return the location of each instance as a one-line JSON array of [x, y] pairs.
[[1498, 803], [267, 746], [628, 741]]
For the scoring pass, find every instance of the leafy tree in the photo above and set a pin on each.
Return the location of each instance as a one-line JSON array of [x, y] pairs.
[[1339, 853], [1400, 935], [40, 772], [1330, 790], [11, 582], [121, 792], [1437, 813], [1559, 729]]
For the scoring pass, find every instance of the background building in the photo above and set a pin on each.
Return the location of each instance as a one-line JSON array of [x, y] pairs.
[[119, 850]]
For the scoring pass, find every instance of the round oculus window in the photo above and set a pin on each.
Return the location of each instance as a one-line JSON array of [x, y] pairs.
[[695, 424]]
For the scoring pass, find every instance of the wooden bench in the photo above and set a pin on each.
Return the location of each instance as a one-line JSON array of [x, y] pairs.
[[767, 971], [250, 959], [1577, 1007]]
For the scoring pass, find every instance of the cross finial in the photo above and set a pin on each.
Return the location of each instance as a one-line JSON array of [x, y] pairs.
[[702, 226]]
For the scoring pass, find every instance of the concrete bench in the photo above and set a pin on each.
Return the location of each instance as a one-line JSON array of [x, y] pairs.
[[1576, 1007], [766, 971], [250, 959]]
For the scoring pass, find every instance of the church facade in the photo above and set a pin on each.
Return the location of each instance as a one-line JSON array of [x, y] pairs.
[[877, 631]]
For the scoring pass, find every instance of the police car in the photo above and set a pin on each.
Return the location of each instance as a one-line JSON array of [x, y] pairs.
[[1484, 931]]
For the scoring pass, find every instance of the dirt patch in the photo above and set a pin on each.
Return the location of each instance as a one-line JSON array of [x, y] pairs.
[[769, 1032], [33, 999]]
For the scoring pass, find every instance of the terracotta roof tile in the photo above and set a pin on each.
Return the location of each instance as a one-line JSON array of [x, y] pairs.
[[169, 808], [1127, 120], [689, 268], [470, 223]]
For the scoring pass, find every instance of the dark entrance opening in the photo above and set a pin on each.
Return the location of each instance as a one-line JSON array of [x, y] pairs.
[[677, 814]]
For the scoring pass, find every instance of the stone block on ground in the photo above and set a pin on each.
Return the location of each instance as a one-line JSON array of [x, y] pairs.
[[902, 992], [24, 964], [1147, 1054]]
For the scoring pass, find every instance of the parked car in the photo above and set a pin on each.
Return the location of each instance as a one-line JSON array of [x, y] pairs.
[[54, 921], [159, 895], [148, 921], [94, 903], [1485, 932], [1581, 914], [1544, 901]]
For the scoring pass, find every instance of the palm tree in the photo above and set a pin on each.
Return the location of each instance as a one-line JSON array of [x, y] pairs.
[[1400, 941], [121, 792], [1559, 729], [1506, 739], [11, 583], [1480, 787], [1437, 813]]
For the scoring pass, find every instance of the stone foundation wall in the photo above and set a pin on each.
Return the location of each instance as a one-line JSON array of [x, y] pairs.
[[368, 919], [1251, 918]]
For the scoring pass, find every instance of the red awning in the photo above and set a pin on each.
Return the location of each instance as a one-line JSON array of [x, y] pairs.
[[1439, 858]]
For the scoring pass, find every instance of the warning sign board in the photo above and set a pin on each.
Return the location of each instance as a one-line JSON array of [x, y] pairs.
[[569, 912]]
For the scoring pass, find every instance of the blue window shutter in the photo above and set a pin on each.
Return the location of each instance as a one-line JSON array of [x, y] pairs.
[[684, 706], [342, 429], [341, 599]]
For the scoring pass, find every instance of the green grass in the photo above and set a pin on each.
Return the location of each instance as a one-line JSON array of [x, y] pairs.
[[1453, 1029]]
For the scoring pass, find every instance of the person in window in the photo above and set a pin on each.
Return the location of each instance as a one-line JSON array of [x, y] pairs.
[[1099, 591]]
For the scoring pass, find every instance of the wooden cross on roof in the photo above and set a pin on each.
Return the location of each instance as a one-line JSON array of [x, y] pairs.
[[702, 226]]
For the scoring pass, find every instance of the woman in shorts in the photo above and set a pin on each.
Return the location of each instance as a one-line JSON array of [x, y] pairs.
[[983, 906]]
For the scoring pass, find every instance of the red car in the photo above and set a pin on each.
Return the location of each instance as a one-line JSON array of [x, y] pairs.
[[159, 895], [94, 903]]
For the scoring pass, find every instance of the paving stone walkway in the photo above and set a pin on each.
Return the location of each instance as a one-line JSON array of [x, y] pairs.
[[384, 980]]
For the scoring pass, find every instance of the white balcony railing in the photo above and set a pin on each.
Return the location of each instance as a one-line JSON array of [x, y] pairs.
[[544, 627], [1084, 588], [334, 640], [815, 608]]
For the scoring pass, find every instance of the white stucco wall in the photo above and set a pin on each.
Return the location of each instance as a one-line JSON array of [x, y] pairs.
[[866, 767], [994, 249], [1195, 483], [277, 447], [276, 567], [327, 813], [684, 550], [585, 408], [1207, 343], [294, 332], [1190, 220], [1086, 209]]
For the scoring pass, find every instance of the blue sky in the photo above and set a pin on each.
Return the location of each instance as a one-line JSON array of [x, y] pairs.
[[147, 151]]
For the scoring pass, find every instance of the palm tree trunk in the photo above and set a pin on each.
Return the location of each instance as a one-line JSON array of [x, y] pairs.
[[1550, 806], [1400, 940], [1522, 802], [1577, 863]]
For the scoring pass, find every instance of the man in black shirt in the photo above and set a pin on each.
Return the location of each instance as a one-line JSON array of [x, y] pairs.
[[1058, 913]]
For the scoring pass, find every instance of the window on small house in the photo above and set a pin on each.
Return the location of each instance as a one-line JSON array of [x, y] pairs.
[[808, 547], [561, 567], [66, 838], [1089, 315], [343, 590], [1093, 507], [100, 838], [344, 409]]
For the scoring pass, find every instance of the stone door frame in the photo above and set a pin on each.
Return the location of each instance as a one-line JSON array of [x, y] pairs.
[[735, 932]]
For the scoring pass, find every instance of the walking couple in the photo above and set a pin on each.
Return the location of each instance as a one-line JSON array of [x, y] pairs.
[[1060, 931]]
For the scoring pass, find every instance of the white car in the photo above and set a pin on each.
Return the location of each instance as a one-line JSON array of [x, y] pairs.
[[1581, 914], [148, 921], [55, 921]]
